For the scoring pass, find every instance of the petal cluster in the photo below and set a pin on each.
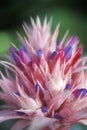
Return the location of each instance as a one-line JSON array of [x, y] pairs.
[[44, 81]]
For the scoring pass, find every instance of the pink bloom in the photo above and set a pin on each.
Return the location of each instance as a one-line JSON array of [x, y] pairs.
[[45, 85]]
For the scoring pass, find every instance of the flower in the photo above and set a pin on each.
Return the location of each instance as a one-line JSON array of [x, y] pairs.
[[45, 83]]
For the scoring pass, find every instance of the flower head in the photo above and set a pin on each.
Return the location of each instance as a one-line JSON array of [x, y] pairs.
[[45, 82]]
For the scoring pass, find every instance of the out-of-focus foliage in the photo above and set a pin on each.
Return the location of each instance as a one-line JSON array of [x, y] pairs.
[[5, 40], [79, 127], [71, 14], [13, 11]]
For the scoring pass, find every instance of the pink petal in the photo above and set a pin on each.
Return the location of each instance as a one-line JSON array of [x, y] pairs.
[[19, 125], [7, 115], [41, 122], [79, 116], [84, 121], [65, 128], [8, 99]]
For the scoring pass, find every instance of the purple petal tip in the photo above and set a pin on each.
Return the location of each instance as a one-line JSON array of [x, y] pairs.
[[44, 109], [80, 92]]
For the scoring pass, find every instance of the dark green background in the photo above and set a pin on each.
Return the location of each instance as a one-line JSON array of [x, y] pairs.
[[71, 14]]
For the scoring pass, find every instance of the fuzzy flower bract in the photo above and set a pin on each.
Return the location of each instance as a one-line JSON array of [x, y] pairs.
[[45, 86]]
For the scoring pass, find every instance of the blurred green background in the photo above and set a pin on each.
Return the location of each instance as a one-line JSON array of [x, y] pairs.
[[71, 14]]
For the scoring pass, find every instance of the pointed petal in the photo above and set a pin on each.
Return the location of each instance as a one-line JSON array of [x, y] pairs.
[[43, 123], [7, 115], [19, 125], [83, 122], [79, 116], [65, 128], [38, 22]]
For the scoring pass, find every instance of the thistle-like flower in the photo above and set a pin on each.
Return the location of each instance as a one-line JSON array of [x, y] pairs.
[[45, 85]]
